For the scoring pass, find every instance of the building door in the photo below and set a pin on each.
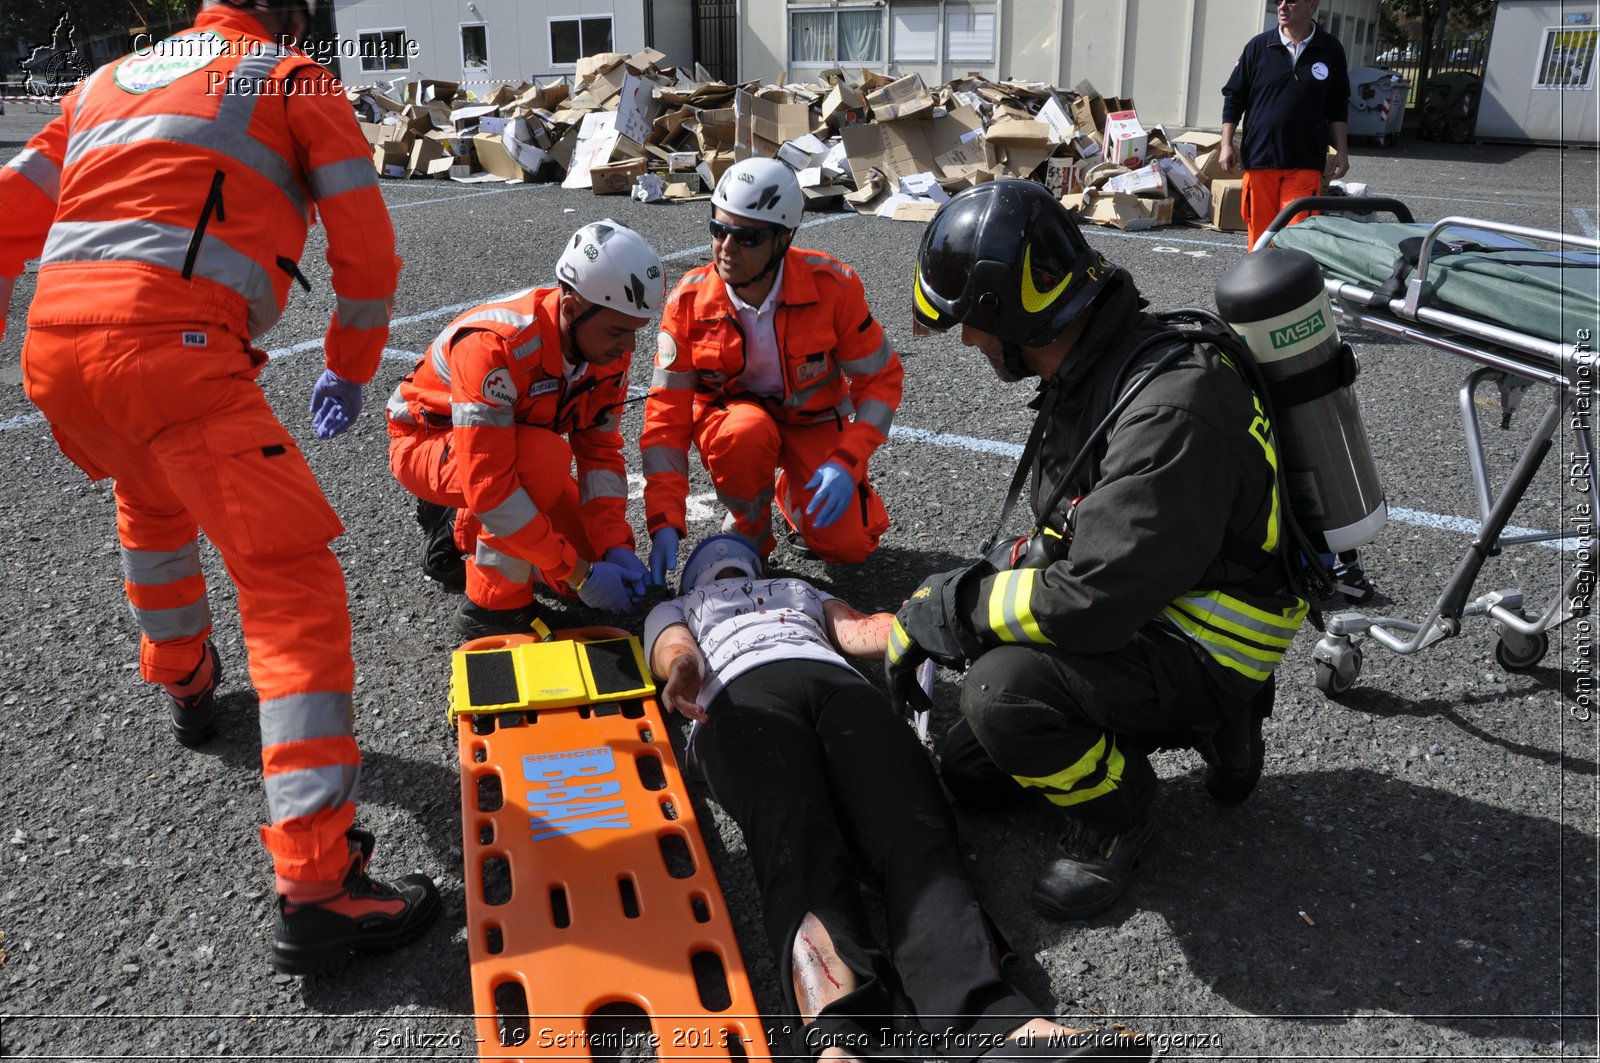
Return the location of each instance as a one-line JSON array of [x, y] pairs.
[[716, 37], [475, 52]]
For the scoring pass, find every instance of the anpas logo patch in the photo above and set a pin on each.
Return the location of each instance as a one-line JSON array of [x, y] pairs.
[[497, 387], [168, 61]]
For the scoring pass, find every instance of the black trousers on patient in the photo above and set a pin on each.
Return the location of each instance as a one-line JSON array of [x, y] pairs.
[[826, 781]]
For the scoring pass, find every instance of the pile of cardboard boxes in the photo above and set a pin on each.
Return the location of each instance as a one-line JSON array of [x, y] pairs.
[[891, 147]]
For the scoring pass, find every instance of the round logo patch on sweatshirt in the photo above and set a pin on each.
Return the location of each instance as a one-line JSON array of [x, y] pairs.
[[1319, 71]]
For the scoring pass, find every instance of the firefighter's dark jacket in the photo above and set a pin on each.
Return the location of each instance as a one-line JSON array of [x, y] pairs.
[[1181, 502]]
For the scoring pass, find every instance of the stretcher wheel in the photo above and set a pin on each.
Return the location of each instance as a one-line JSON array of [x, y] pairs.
[[1518, 653], [1336, 679]]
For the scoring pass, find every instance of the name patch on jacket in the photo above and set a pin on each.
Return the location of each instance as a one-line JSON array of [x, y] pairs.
[[814, 366], [543, 387], [195, 339]]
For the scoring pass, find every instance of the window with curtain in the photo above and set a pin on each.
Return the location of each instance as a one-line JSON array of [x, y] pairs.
[[969, 33], [850, 35], [914, 33]]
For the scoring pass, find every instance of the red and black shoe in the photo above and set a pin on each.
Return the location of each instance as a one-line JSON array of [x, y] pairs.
[[194, 704], [364, 917]]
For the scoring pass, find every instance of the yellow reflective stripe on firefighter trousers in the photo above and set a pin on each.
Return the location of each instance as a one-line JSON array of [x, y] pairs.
[[1235, 633], [1011, 610], [1062, 782]]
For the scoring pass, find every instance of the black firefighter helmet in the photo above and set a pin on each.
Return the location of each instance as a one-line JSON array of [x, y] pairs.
[[1006, 258]]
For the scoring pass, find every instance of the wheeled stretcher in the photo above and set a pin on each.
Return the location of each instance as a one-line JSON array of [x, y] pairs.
[[1523, 305]]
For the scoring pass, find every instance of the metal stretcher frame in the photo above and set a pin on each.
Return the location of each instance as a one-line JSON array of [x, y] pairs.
[[1513, 361]]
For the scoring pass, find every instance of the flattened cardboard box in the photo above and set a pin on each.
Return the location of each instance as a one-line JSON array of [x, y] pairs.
[[905, 97], [901, 149], [494, 158]]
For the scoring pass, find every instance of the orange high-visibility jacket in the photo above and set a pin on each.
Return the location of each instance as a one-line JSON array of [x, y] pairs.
[[497, 367], [178, 184], [837, 363]]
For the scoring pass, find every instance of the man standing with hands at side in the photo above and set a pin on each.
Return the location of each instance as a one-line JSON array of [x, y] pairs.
[[1293, 83]]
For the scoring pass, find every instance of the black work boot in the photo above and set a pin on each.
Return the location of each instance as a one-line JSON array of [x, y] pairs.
[[193, 703], [364, 917], [476, 621], [1236, 750], [441, 558], [1092, 870]]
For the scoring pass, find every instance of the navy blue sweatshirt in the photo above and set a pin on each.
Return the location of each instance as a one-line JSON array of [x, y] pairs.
[[1289, 108]]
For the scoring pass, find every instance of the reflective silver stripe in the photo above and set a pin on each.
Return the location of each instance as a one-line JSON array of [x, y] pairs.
[[310, 790], [227, 132], [601, 483], [398, 410], [514, 569], [153, 568], [899, 642], [166, 625], [510, 516], [363, 313], [757, 511], [37, 167], [481, 415], [803, 395], [337, 178], [661, 378], [664, 459], [439, 358], [530, 346], [439, 354], [610, 422], [301, 717], [167, 245], [879, 415], [872, 363], [821, 260], [1217, 609]]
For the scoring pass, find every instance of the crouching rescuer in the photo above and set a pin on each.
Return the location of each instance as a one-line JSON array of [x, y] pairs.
[[1151, 603], [169, 205]]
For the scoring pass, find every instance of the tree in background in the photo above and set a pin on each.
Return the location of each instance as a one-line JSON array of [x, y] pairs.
[[1428, 23]]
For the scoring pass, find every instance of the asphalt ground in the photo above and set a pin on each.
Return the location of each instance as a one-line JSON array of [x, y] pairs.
[[1414, 878]]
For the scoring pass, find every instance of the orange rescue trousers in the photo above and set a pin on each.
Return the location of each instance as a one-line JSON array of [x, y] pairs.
[[1266, 192], [174, 416], [741, 445], [425, 465]]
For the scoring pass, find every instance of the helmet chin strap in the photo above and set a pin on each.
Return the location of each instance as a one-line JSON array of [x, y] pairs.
[[569, 333], [773, 261], [1011, 355]]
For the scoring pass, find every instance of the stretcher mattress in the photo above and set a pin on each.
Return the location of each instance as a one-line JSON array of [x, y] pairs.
[[1486, 276]]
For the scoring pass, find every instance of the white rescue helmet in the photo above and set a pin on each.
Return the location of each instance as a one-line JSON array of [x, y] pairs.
[[714, 556], [763, 189], [612, 266]]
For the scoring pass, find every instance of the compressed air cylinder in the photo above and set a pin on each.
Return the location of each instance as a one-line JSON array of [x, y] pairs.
[[1275, 300]]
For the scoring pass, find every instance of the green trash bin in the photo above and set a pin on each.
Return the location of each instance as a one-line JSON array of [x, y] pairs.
[[1450, 106]]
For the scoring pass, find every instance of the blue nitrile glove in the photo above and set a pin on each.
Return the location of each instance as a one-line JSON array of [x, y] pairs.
[[335, 404], [833, 485], [606, 588], [663, 555], [634, 574]]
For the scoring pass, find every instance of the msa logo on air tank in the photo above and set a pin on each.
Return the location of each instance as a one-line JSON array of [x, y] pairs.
[[569, 793], [1298, 332]]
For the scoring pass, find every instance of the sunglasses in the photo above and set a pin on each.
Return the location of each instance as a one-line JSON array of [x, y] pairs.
[[743, 235]]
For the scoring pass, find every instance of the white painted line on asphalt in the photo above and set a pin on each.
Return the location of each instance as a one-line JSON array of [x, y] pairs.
[[448, 199], [22, 420], [1585, 222], [1418, 517]]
